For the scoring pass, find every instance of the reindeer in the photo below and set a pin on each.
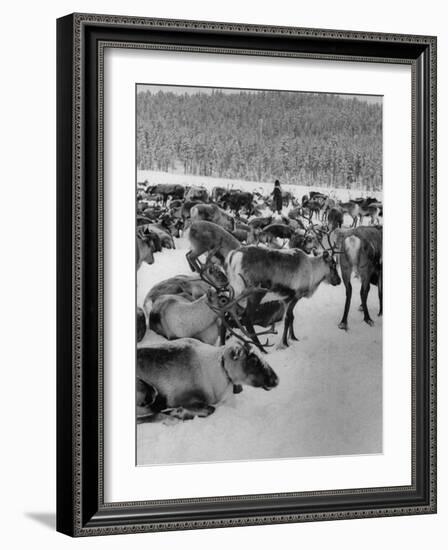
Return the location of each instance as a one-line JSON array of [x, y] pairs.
[[212, 213], [335, 218], [208, 237], [189, 286], [188, 378], [327, 206], [275, 231], [313, 207], [352, 209], [373, 211], [240, 234], [187, 305], [296, 215], [304, 240], [165, 237], [361, 252], [175, 316], [147, 242], [289, 274], [197, 193]]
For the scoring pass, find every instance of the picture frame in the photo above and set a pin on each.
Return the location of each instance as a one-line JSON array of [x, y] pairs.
[[81, 507]]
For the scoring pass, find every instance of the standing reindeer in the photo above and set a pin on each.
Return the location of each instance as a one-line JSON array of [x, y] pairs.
[[290, 274], [212, 213], [361, 252], [207, 237], [352, 209]]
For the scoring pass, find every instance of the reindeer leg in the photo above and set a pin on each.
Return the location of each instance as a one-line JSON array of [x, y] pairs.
[[188, 413], [191, 259], [193, 404], [365, 287], [284, 341], [222, 334], [289, 319], [252, 303], [348, 297], [292, 305], [380, 293]]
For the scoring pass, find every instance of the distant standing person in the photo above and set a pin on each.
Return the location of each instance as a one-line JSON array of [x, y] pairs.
[[277, 198]]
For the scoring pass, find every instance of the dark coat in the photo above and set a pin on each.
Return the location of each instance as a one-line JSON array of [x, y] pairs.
[[278, 199]]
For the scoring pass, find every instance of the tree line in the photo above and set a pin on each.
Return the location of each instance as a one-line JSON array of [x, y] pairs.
[[299, 138]]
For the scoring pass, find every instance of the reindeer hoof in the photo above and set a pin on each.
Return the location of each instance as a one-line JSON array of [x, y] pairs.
[[369, 322], [294, 337], [360, 308], [281, 345], [343, 326], [237, 388], [380, 314]]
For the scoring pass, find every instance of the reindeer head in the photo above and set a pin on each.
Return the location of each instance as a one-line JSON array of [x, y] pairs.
[[333, 276], [244, 366]]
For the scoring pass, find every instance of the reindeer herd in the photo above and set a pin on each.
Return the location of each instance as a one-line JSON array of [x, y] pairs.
[[249, 269]]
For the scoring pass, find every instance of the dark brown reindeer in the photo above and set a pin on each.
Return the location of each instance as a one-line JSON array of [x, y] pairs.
[[289, 274], [313, 207], [335, 218], [361, 251], [352, 209]]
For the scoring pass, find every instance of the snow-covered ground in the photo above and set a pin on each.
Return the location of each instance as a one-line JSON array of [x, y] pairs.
[[328, 402], [154, 177]]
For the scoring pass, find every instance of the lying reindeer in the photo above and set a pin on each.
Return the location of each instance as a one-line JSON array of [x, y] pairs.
[[188, 306], [289, 274], [175, 316], [189, 286], [188, 378]]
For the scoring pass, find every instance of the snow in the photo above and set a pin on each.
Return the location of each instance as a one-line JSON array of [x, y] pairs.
[[328, 401]]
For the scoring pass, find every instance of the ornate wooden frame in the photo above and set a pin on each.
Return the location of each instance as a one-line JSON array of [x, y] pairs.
[[81, 39]]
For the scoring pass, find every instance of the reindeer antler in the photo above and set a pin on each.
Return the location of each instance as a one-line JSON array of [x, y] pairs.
[[332, 248], [230, 310], [308, 219], [249, 339], [210, 273]]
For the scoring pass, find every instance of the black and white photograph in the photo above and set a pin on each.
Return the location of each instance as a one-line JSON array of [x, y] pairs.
[[259, 219]]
